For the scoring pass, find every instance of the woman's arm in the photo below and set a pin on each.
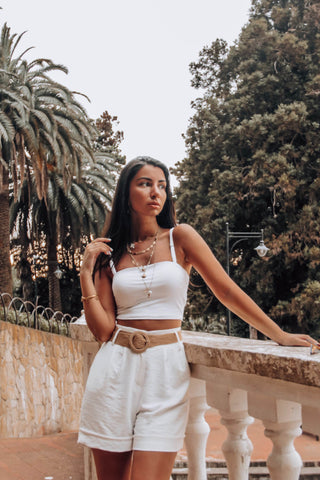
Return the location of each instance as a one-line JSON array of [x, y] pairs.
[[98, 300], [198, 254]]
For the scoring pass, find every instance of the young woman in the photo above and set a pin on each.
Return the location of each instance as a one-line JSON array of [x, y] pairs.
[[134, 284]]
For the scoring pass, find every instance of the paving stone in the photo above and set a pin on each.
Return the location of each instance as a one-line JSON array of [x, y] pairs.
[[60, 457]]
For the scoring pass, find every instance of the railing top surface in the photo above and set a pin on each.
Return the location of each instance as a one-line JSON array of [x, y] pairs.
[[258, 357]]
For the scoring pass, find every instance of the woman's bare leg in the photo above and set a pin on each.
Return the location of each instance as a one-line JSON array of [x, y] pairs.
[[152, 465], [112, 465]]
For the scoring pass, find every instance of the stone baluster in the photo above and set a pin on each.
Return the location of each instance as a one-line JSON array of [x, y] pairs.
[[284, 462], [197, 431], [237, 448], [233, 408], [282, 421]]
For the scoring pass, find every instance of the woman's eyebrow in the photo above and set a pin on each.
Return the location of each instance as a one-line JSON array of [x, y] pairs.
[[150, 179]]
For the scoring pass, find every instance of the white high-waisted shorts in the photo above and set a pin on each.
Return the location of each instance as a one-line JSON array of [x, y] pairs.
[[136, 401]]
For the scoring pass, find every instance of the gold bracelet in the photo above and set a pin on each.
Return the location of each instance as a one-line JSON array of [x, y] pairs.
[[85, 299]]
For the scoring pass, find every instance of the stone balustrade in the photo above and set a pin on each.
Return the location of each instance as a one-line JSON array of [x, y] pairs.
[[246, 379]]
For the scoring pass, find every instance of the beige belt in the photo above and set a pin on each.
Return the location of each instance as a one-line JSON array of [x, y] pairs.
[[138, 342]]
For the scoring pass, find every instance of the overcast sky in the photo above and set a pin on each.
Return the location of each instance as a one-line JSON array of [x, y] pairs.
[[130, 57]]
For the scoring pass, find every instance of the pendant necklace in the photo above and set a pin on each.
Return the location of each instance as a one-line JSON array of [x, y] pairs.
[[142, 268], [131, 247]]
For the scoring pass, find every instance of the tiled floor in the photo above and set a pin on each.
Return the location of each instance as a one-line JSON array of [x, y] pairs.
[[58, 457]]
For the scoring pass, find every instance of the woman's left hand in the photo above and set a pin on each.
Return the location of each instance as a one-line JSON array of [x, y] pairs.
[[297, 339]]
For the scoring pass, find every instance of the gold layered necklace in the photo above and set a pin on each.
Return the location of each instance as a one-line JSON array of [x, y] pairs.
[[132, 246], [142, 268]]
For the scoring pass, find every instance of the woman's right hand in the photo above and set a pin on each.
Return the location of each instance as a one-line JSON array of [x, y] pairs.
[[100, 315], [91, 253]]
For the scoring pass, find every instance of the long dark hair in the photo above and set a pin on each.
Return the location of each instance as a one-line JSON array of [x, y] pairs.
[[119, 226]]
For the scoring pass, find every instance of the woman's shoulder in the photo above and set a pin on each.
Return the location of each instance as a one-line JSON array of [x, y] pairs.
[[195, 248], [185, 236], [184, 230]]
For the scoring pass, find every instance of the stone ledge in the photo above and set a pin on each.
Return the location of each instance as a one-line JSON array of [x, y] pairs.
[[259, 357], [81, 332]]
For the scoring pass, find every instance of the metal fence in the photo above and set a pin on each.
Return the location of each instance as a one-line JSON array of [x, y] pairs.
[[25, 313]]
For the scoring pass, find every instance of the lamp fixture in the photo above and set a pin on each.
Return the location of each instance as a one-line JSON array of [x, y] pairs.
[[261, 249], [58, 273]]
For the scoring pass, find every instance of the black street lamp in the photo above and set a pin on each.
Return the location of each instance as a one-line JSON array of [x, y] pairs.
[[36, 262], [261, 250]]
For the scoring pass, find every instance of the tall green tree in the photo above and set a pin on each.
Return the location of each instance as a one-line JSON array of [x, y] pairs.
[[253, 159], [64, 218], [43, 128], [60, 214]]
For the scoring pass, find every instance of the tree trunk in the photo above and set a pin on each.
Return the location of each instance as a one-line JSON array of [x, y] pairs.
[[53, 281], [28, 287], [5, 265]]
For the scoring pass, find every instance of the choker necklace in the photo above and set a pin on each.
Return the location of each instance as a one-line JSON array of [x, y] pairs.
[[142, 268], [132, 246]]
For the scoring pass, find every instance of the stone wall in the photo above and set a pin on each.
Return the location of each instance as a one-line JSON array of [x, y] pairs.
[[41, 381]]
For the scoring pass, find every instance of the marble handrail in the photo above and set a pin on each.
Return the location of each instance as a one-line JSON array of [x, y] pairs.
[[243, 379]]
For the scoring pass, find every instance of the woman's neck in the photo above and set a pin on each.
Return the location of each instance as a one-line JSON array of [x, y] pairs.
[[142, 230]]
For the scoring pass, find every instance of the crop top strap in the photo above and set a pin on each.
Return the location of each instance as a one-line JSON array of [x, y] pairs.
[[113, 268], [172, 250]]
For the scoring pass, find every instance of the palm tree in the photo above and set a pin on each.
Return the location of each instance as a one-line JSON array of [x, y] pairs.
[[79, 211], [12, 110], [43, 129]]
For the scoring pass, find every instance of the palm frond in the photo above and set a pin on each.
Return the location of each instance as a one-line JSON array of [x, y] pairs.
[[7, 130], [16, 43], [43, 118], [24, 52], [43, 70]]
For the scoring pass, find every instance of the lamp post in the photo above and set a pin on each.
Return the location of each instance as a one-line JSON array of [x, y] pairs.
[[36, 262], [261, 250]]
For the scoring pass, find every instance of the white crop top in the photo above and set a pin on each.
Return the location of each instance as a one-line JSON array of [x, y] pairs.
[[168, 282]]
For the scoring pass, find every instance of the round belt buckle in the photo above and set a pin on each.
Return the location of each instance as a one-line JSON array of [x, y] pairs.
[[139, 342]]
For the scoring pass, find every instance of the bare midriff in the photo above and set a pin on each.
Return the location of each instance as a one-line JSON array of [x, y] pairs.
[[151, 324]]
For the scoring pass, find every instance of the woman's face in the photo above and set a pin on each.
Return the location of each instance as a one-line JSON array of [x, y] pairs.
[[147, 192]]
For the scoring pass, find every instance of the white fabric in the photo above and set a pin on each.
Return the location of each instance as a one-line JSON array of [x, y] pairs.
[[136, 401], [167, 280], [172, 249], [113, 268]]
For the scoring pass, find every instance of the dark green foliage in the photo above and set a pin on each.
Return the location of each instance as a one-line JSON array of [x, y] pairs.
[[253, 159]]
